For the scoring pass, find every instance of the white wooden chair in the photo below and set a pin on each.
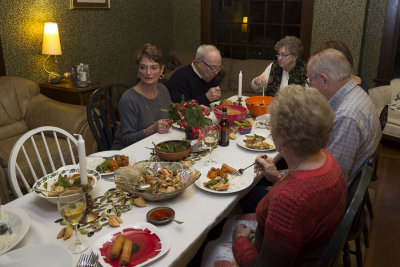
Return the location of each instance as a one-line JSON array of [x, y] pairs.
[[49, 149]]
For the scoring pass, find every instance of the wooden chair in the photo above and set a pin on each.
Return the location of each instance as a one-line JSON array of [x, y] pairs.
[[53, 148], [102, 113], [355, 198]]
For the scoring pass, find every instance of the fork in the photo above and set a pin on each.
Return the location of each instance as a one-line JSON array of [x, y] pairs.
[[241, 170], [87, 260]]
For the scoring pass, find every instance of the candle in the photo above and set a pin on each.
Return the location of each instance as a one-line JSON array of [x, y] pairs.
[[82, 159], [240, 84]]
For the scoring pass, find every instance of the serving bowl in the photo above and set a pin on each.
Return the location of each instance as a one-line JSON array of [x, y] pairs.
[[258, 105], [168, 156], [45, 182], [128, 176], [231, 117], [160, 215], [244, 130]]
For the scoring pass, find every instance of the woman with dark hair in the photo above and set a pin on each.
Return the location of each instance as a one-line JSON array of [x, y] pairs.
[[143, 108], [342, 47], [287, 69]]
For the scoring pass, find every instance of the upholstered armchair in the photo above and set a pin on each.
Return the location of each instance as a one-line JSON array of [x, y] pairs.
[[23, 108]]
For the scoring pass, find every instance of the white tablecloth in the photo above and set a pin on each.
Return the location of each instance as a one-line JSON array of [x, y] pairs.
[[200, 210]]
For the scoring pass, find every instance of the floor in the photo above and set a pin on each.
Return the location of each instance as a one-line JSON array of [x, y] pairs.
[[384, 230]]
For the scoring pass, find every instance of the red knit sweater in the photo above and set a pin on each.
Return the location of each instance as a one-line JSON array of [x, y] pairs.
[[296, 219]]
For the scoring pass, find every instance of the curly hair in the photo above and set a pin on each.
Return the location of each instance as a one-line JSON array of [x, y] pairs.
[[302, 117], [292, 43], [338, 45], [150, 51]]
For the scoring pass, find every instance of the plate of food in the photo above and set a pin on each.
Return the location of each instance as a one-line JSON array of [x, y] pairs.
[[107, 165], [65, 178], [18, 225], [256, 142], [136, 245], [222, 181]]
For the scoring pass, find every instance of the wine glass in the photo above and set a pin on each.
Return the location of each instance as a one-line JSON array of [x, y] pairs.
[[211, 137], [72, 206]]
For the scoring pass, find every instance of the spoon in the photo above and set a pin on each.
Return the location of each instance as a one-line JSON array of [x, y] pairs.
[[178, 222], [3, 226]]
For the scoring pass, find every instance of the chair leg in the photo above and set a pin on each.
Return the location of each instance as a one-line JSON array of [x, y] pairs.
[[359, 252], [346, 257], [369, 205], [365, 233]]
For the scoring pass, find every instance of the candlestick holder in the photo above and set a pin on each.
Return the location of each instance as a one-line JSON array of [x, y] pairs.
[[239, 101], [89, 216]]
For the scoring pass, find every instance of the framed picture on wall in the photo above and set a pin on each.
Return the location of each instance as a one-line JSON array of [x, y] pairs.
[[90, 4]]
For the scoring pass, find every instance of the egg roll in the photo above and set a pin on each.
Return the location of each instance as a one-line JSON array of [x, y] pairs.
[[229, 168], [117, 246], [126, 253]]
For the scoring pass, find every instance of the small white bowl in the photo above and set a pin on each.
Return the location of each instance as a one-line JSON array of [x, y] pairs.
[[262, 121], [45, 182]]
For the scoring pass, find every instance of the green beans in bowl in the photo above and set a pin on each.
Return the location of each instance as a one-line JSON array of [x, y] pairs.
[[172, 150]]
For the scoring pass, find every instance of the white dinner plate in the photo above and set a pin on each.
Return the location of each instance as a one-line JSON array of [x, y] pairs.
[[247, 181], [18, 223], [96, 159], [107, 238], [241, 143], [37, 256]]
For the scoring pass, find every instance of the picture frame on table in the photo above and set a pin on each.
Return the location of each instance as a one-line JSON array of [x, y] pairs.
[[77, 4]]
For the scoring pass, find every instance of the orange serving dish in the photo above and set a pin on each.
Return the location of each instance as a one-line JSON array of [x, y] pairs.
[[258, 105]]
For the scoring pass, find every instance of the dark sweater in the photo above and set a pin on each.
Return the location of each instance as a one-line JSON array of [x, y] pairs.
[[187, 83]]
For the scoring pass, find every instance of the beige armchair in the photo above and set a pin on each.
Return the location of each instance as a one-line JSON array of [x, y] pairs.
[[384, 95], [23, 108]]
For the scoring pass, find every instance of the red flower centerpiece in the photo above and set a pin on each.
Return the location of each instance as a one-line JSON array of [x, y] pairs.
[[190, 116]]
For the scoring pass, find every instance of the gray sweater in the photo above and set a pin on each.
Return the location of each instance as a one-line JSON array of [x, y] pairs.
[[137, 113]]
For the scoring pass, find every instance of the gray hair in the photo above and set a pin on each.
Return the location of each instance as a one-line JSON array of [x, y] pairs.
[[302, 117], [292, 44], [204, 49], [330, 62]]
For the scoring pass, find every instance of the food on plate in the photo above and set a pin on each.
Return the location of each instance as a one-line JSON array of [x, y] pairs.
[[140, 202], [218, 179], [126, 253], [232, 136], [114, 221], [112, 164], [162, 181], [65, 182], [228, 168], [250, 120], [65, 233], [257, 142], [172, 146], [226, 102], [117, 247]]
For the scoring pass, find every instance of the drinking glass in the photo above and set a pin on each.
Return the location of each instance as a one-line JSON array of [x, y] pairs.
[[72, 206], [211, 138]]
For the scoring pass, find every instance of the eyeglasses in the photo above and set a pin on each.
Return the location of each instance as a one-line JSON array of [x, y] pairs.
[[283, 55], [212, 68]]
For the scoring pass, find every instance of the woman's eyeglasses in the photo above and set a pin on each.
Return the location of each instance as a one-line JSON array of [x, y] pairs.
[[283, 55]]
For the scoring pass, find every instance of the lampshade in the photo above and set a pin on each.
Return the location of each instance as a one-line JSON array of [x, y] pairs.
[[51, 40]]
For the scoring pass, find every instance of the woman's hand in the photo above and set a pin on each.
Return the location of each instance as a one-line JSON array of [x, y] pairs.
[[162, 126], [260, 81], [242, 230], [267, 166]]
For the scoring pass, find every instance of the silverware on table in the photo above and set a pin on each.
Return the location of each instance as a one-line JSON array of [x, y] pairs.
[[241, 170], [88, 260]]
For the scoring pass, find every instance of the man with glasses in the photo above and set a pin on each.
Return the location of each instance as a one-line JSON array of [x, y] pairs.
[[356, 132], [287, 69], [197, 80]]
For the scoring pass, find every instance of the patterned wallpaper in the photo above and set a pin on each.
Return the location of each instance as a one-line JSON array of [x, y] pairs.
[[106, 39]]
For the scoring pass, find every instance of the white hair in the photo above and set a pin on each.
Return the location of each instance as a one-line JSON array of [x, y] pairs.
[[330, 62], [204, 49]]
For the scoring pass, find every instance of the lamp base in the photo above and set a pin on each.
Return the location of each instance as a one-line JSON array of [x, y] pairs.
[[54, 77]]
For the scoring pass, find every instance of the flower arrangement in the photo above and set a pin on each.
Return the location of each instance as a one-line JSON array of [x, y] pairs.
[[190, 116]]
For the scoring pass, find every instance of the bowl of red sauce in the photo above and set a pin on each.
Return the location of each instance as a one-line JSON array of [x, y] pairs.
[[160, 215]]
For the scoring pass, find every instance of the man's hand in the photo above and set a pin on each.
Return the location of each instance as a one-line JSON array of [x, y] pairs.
[[260, 81], [214, 94]]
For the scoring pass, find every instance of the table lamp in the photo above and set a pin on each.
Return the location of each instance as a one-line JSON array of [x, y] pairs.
[[51, 46]]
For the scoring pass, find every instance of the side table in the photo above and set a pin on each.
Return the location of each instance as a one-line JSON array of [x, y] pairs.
[[66, 92]]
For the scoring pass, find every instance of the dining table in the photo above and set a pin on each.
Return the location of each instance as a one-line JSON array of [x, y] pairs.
[[200, 210]]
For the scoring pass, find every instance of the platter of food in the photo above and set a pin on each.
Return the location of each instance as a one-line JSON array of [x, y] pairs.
[[18, 225], [166, 179], [256, 142], [37, 255], [67, 177], [222, 181], [107, 165], [136, 245]]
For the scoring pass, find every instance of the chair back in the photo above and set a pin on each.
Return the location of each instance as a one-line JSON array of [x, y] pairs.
[[44, 150], [383, 117], [355, 196], [102, 113]]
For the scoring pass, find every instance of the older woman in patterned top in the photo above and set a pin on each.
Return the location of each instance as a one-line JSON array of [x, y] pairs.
[[287, 69]]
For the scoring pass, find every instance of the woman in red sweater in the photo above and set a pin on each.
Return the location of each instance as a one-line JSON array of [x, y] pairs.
[[299, 215]]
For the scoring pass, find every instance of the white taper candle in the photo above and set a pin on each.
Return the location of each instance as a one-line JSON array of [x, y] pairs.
[[240, 84], [82, 159]]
